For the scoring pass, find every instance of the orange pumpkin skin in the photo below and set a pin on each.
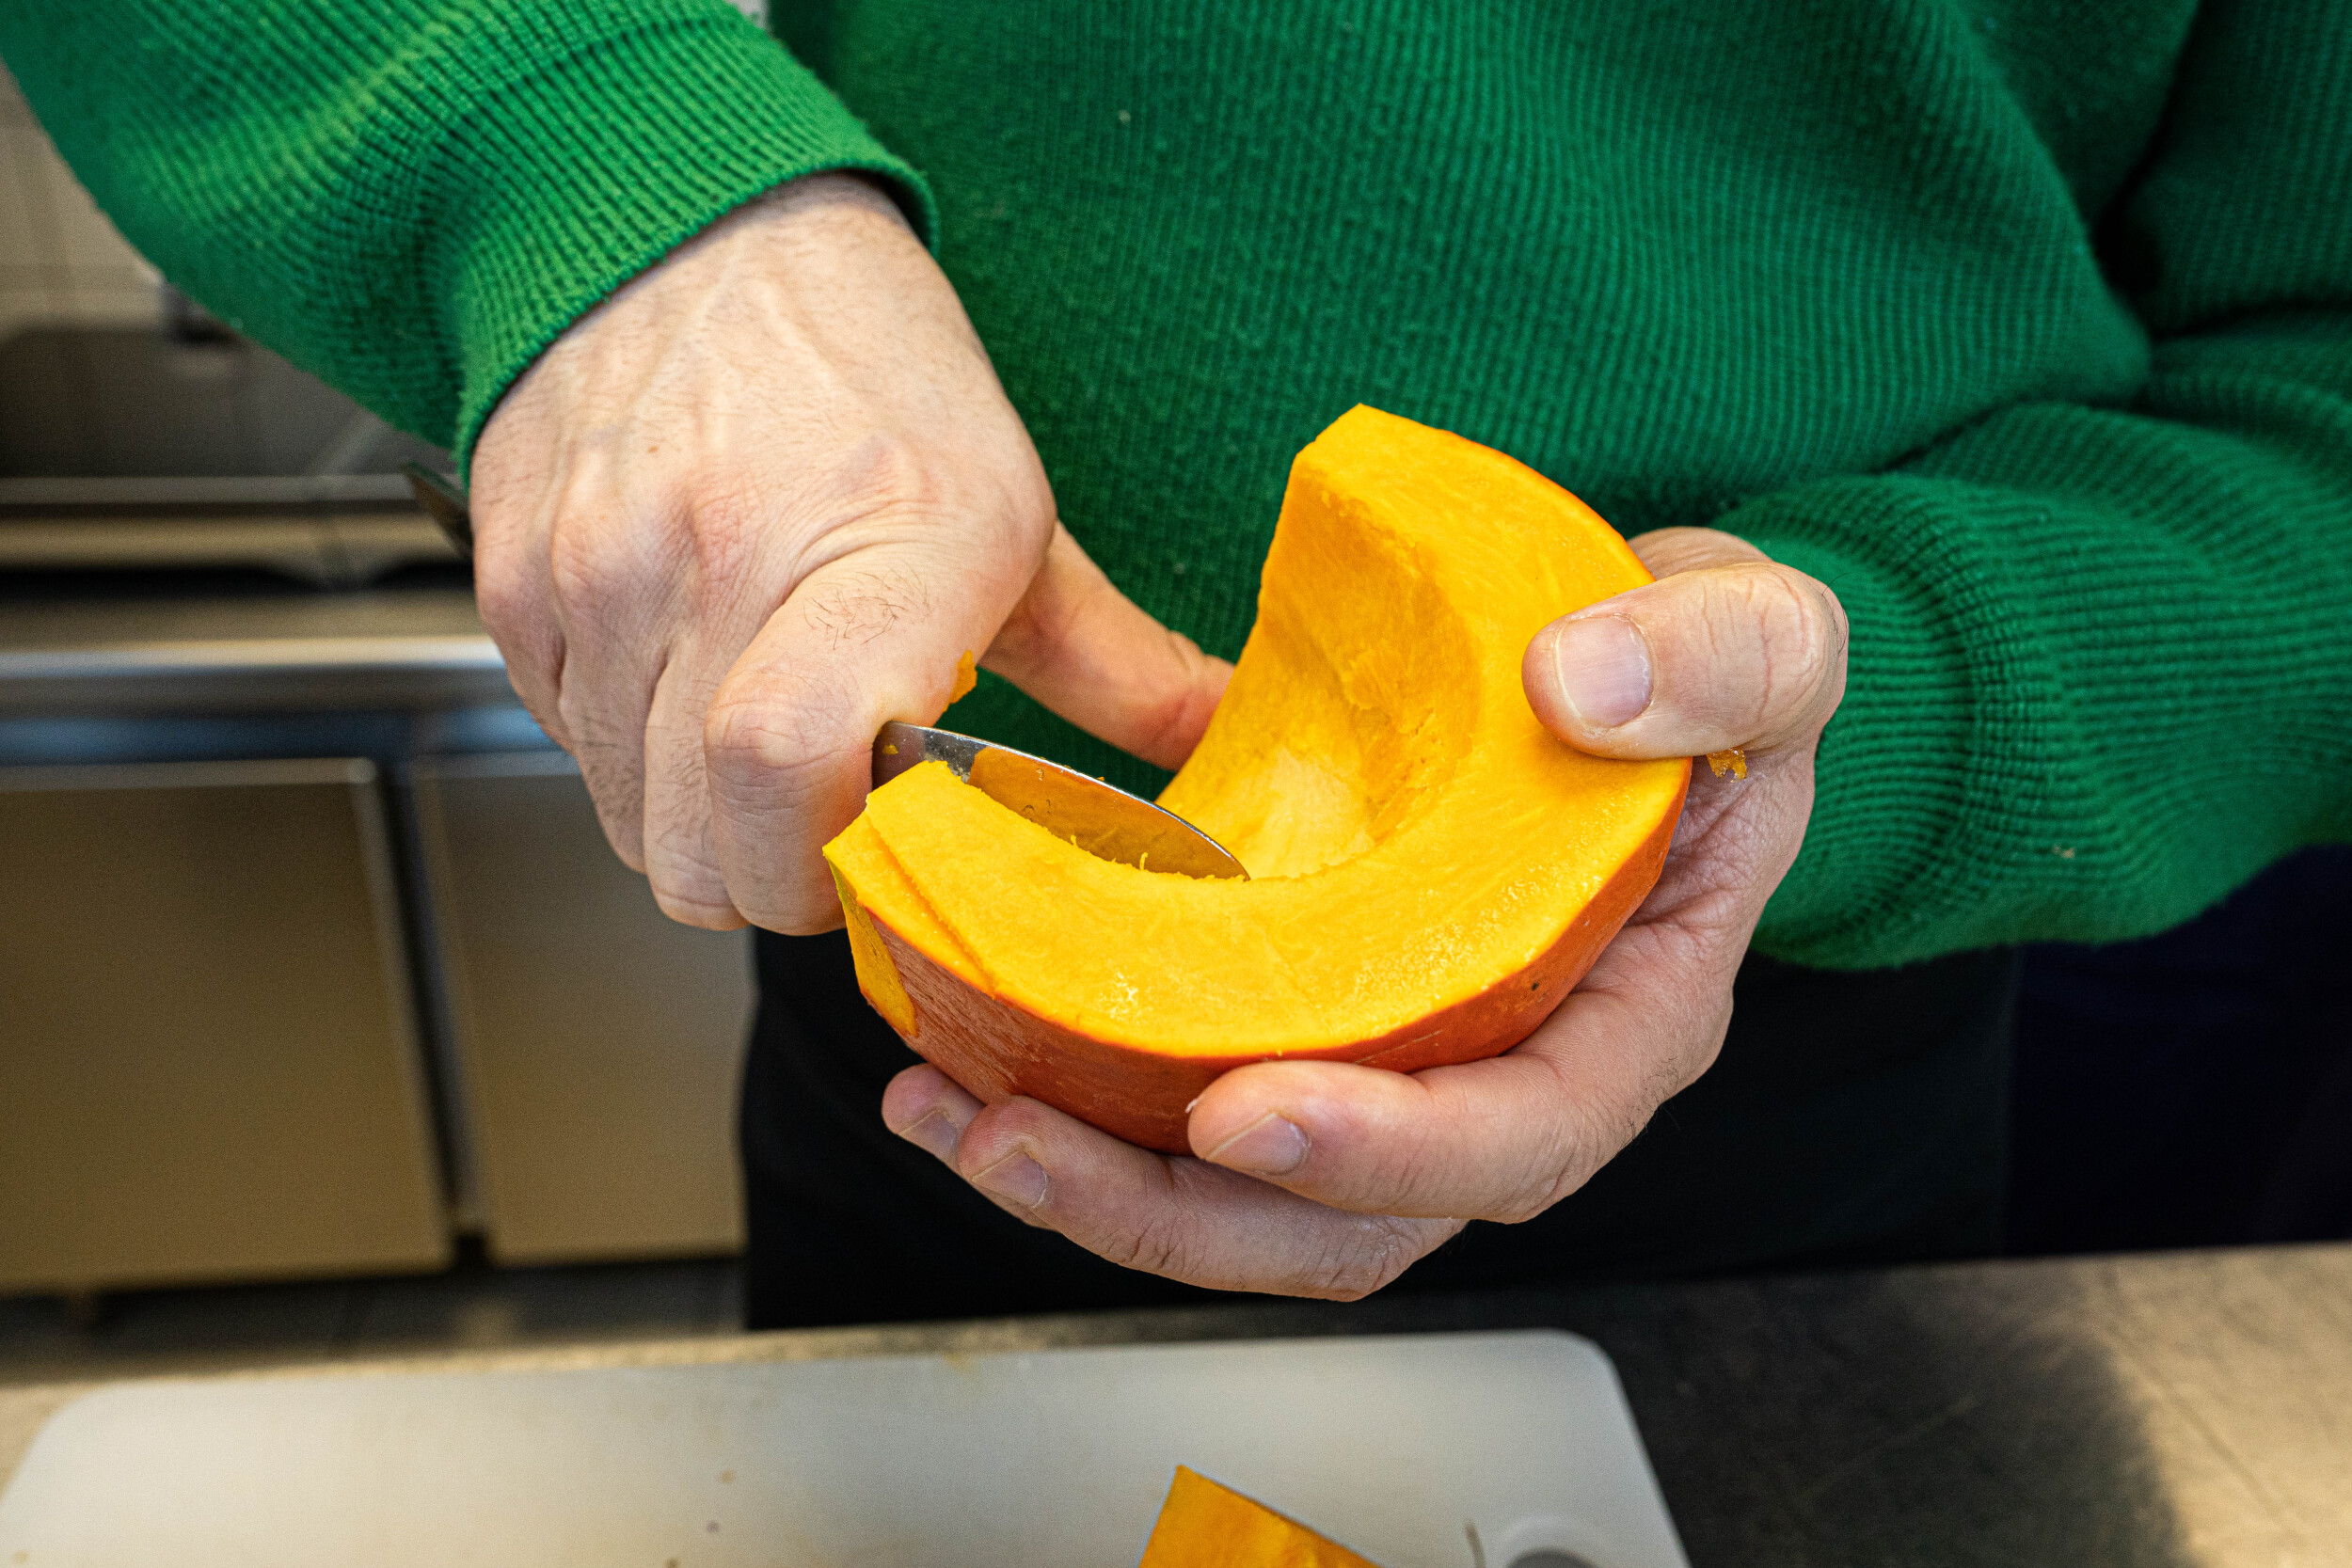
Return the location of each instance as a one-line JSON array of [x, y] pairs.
[[999, 1050]]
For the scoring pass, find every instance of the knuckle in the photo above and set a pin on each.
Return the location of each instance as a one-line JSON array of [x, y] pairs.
[[883, 473], [1504, 1173], [1162, 1246], [1168, 1241], [611, 553], [590, 585], [1547, 1178], [768, 783], [1576, 1139], [1794, 620], [502, 593], [798, 901], [1767, 627], [754, 745], [1776, 632], [620, 811], [1018, 1126], [528, 639], [729, 517], [1427, 1182], [997, 1132], [1535, 1195], [878, 488], [683, 859], [690, 907], [1585, 1143], [1361, 1259], [884, 487], [813, 921]]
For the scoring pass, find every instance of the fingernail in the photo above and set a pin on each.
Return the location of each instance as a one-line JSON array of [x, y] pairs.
[[1016, 1178], [935, 1131], [1269, 1146], [1603, 669]]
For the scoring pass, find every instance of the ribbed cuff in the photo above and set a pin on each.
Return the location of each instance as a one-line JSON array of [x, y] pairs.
[[572, 180], [1871, 885]]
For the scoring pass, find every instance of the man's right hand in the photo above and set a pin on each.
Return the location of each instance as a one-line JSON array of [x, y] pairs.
[[758, 503]]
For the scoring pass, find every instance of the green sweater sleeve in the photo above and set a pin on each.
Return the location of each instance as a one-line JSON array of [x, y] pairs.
[[412, 198], [2101, 657]]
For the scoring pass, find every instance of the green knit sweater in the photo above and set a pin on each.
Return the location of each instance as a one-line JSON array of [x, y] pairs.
[[2026, 324]]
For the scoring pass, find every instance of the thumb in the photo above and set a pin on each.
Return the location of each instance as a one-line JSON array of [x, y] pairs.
[[1083, 649], [1728, 649]]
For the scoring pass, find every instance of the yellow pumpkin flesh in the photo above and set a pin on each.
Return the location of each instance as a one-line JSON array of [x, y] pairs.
[[1203, 1525], [1430, 869]]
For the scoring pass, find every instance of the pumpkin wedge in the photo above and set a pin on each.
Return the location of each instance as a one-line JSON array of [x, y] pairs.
[[1430, 869], [1203, 1525]]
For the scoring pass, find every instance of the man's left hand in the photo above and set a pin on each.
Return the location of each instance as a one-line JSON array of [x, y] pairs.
[[1318, 1179]]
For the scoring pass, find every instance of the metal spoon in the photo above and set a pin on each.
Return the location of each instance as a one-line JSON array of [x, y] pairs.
[[1105, 821], [1100, 818]]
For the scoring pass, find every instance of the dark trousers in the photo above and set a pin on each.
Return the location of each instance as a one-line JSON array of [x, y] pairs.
[[1852, 1118], [2193, 1088]]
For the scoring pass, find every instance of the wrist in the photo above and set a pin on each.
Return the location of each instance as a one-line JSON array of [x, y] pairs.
[[831, 192], [787, 228]]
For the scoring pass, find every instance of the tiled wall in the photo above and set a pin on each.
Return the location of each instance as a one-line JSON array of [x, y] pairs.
[[60, 260]]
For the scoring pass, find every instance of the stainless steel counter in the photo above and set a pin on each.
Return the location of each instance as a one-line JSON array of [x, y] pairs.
[[575, 1051], [2190, 1409], [377, 649]]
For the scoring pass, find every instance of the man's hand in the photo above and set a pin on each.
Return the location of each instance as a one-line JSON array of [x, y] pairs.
[[1320, 1180], [761, 501]]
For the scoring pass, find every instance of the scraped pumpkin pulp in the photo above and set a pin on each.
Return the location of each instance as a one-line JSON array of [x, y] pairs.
[[1430, 870]]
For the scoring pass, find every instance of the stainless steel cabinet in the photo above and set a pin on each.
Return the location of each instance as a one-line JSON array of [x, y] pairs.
[[209, 1063], [595, 1043]]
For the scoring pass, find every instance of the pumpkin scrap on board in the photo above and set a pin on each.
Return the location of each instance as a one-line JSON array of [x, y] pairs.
[[1203, 1525]]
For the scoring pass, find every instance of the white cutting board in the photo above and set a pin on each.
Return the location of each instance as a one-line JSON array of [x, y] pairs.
[[1046, 1459]]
